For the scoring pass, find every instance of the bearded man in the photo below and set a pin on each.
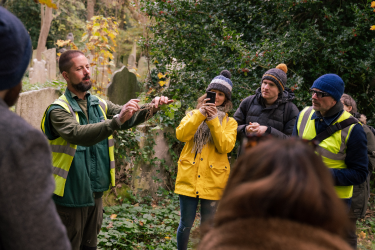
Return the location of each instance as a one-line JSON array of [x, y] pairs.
[[79, 127]]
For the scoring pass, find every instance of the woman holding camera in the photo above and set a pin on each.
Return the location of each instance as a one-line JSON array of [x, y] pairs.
[[203, 167]]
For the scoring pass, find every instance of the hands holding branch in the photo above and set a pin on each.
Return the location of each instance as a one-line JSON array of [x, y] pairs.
[[128, 110], [160, 101], [132, 106]]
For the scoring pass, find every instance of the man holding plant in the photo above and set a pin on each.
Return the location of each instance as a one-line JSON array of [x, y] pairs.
[[79, 127]]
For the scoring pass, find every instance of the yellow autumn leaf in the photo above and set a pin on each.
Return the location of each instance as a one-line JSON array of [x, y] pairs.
[[362, 235], [168, 238], [49, 3], [99, 92], [84, 37], [156, 61], [162, 83], [373, 4], [58, 54], [372, 27], [112, 36], [160, 75], [61, 43], [113, 216]]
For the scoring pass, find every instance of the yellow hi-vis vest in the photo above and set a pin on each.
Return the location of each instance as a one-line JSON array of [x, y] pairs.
[[332, 149], [63, 152]]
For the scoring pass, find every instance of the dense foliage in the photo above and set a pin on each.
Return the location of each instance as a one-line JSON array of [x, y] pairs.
[[140, 226], [312, 37]]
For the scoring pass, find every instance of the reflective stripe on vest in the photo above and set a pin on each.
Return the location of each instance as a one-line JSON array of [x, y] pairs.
[[63, 152], [332, 149], [111, 143]]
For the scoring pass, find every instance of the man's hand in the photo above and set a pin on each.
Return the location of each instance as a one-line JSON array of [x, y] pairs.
[[255, 128], [128, 110], [252, 128], [262, 130], [162, 100]]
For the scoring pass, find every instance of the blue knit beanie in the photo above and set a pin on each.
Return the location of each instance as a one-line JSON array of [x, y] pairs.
[[15, 50], [222, 83], [331, 84]]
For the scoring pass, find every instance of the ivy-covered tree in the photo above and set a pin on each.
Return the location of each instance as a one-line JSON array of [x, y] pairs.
[[313, 37]]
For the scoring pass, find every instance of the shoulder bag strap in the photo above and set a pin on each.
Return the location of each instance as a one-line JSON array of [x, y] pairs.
[[334, 128]]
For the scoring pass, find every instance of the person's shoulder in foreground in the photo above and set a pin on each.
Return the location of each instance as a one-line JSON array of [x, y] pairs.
[[28, 217]]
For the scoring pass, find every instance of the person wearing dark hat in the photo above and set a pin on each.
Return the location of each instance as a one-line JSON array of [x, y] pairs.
[[342, 140], [361, 192], [270, 110], [203, 168], [28, 217]]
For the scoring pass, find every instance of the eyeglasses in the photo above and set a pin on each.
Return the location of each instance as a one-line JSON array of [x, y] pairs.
[[318, 93]]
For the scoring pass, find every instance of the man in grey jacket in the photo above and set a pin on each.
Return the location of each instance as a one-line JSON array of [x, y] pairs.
[[28, 217]]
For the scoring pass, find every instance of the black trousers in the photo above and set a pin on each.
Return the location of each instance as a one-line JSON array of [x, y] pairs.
[[82, 224], [351, 237]]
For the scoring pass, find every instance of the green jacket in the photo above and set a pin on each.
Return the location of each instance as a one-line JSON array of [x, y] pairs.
[[89, 173]]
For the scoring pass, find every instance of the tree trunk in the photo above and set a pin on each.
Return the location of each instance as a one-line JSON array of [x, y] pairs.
[[44, 31], [90, 9]]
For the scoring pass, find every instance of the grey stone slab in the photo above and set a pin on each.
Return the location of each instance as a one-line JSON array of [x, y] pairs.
[[124, 86], [32, 104]]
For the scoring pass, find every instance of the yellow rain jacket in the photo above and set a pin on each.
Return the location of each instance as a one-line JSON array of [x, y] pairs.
[[205, 174]]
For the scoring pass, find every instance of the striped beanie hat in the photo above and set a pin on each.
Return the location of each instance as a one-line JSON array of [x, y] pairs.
[[277, 75], [222, 83]]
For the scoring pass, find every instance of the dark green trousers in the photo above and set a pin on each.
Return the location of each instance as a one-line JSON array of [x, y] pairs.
[[82, 224]]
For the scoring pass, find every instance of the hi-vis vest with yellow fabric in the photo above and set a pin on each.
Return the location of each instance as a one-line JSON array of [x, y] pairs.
[[63, 152], [332, 149]]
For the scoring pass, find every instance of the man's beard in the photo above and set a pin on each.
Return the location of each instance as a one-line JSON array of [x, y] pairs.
[[12, 95], [81, 87]]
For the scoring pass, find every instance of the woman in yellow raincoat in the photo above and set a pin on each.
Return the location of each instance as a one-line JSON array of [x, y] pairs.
[[203, 167]]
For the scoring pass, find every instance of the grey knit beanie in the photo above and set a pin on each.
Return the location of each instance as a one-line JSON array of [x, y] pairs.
[[222, 83], [277, 75]]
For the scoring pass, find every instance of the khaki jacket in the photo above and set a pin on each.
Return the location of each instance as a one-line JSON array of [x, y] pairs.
[[205, 174]]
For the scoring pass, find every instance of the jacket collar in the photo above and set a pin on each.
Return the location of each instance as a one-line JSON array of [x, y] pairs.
[[332, 115], [333, 111], [286, 96], [72, 98]]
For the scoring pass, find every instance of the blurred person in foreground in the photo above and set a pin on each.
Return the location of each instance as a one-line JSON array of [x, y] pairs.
[[280, 196], [28, 217], [361, 192]]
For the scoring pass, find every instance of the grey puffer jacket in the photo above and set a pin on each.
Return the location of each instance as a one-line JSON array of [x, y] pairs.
[[279, 117]]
